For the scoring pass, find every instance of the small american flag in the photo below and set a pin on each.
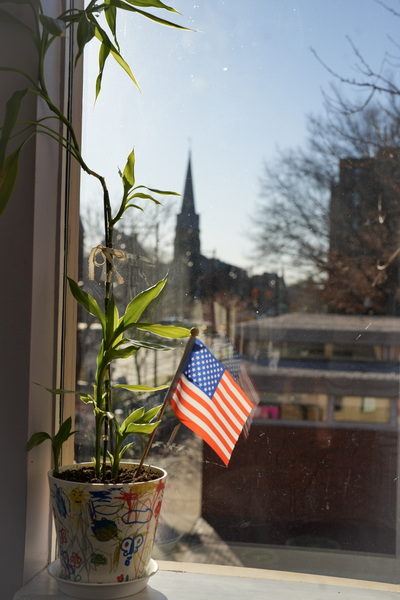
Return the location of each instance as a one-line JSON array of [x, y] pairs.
[[207, 399]]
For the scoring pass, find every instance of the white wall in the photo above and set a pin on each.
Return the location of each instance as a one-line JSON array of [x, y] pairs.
[[31, 248]]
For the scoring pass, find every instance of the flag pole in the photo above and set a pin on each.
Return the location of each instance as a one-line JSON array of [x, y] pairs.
[[194, 332]]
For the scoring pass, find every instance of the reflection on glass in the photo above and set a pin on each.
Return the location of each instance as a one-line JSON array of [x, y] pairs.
[[362, 409], [315, 318], [299, 407]]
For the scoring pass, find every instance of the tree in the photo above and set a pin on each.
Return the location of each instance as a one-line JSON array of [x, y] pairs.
[[292, 221], [300, 190], [341, 231], [374, 84]]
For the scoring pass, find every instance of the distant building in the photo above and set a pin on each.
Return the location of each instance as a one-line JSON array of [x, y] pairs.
[[319, 466], [186, 267], [364, 234], [213, 285]]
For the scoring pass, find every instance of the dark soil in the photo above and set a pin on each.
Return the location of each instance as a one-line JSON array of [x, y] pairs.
[[87, 475]]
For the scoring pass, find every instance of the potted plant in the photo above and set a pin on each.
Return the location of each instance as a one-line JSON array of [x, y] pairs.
[[105, 512]]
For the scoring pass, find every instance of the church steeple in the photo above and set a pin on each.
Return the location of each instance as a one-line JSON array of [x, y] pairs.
[[188, 219], [187, 256]]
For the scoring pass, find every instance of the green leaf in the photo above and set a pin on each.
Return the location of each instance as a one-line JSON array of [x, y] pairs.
[[86, 398], [125, 6], [161, 21], [141, 428], [167, 331], [124, 449], [103, 55], [128, 175], [134, 417], [144, 197], [151, 4], [156, 191], [136, 306], [56, 391], [60, 391], [119, 353], [10, 118], [36, 439], [87, 302], [8, 177], [111, 458], [110, 13], [58, 440], [149, 415], [63, 433], [134, 206], [105, 41], [139, 388], [84, 33], [53, 26], [147, 345]]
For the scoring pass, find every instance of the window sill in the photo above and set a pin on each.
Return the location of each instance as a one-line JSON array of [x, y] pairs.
[[183, 581]]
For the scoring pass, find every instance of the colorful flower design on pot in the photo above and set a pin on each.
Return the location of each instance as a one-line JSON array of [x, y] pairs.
[[106, 531]]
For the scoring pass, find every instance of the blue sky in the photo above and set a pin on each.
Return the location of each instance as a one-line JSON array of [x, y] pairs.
[[238, 87]]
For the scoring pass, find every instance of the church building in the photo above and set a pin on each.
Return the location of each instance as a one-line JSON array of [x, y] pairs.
[[212, 290]]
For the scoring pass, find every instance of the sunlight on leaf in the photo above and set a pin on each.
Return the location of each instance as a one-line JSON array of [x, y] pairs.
[[167, 331]]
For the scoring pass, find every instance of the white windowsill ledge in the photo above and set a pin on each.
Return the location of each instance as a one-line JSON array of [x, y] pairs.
[[186, 581]]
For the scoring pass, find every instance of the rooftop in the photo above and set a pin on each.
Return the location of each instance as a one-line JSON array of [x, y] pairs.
[[325, 328]]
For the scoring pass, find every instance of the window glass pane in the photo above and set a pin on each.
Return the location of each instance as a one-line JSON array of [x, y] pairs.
[[362, 409], [303, 407], [283, 250]]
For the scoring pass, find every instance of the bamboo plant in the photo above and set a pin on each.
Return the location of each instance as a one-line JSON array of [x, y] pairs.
[[98, 21]]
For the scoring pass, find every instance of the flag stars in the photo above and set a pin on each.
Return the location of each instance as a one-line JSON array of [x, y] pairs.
[[204, 370]]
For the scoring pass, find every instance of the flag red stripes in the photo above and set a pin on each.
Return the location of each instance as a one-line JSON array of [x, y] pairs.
[[218, 420]]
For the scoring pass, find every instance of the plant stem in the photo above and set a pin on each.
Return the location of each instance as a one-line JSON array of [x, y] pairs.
[[108, 292], [107, 394], [99, 426]]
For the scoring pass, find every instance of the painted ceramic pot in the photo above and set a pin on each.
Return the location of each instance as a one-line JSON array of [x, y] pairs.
[[106, 532]]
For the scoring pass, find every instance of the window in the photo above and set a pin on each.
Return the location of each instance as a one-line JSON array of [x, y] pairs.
[[363, 409], [314, 486], [316, 478], [315, 320]]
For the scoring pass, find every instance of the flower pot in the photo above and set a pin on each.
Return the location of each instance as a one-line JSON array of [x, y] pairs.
[[105, 531]]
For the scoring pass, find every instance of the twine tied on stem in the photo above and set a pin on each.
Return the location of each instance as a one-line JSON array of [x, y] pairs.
[[99, 256]]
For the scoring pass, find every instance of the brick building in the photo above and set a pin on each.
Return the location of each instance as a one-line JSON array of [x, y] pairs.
[[364, 235]]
